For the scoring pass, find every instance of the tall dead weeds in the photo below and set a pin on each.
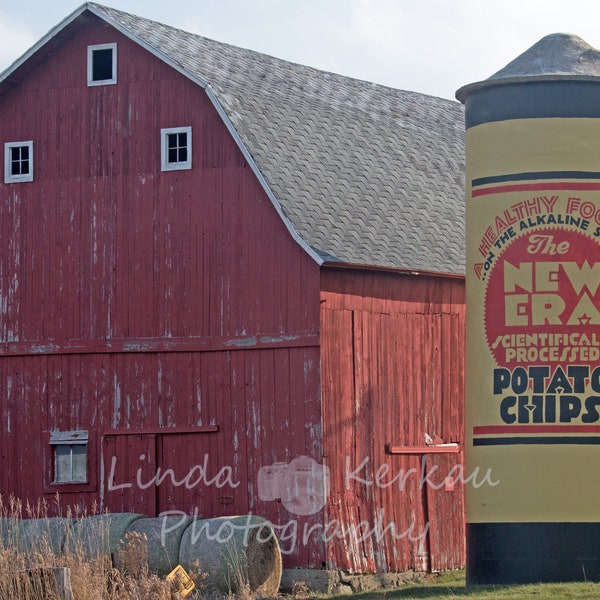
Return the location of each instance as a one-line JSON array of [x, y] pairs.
[[28, 555]]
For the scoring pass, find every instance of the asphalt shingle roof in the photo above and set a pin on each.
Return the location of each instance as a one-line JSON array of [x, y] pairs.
[[366, 174]]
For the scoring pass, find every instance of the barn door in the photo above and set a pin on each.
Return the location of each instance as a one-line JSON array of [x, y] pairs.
[[129, 472], [405, 390], [445, 512], [192, 479]]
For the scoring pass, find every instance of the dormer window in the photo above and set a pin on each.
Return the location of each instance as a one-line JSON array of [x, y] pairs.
[[18, 162], [102, 64], [176, 148]]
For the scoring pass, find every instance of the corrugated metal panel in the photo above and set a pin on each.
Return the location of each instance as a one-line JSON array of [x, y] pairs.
[[392, 373]]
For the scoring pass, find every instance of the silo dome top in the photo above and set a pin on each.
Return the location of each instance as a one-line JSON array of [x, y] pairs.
[[557, 56]]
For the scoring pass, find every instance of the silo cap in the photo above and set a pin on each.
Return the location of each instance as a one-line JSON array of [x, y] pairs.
[[557, 56]]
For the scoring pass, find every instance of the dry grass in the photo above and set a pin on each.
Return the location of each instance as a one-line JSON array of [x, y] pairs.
[[26, 562], [451, 586]]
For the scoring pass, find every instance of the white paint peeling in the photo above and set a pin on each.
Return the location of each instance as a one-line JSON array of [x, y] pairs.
[[116, 404], [222, 308], [199, 403], [44, 348], [94, 236], [266, 339], [108, 316], [102, 481], [94, 415], [254, 433], [170, 420], [315, 437], [141, 401], [242, 343], [11, 300], [309, 366]]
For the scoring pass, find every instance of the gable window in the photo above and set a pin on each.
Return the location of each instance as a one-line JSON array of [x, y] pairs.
[[18, 162], [176, 148], [69, 450], [102, 64]]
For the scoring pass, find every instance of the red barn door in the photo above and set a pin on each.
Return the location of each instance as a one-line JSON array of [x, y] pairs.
[[129, 463]]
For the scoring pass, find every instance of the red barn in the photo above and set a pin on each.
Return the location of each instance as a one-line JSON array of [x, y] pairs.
[[232, 284]]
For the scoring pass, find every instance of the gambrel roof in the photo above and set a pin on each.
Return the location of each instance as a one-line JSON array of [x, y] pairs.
[[362, 174]]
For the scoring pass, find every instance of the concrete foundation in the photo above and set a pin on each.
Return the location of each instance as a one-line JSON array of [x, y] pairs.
[[338, 582]]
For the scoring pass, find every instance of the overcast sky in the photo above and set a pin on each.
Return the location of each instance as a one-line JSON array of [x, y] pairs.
[[428, 46]]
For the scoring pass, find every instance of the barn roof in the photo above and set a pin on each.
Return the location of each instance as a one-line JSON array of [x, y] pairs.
[[362, 174]]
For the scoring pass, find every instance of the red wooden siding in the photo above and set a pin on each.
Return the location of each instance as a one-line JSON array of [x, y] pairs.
[[173, 317], [104, 245], [169, 314], [392, 371]]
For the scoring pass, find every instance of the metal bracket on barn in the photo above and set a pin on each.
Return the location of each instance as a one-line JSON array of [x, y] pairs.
[[434, 449]]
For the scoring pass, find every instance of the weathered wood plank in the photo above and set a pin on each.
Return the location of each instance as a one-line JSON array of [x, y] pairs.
[[402, 351]]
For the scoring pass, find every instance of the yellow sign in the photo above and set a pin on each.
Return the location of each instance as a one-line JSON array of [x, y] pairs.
[[182, 580], [533, 323]]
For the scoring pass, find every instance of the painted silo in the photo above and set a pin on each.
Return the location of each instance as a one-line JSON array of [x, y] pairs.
[[533, 316]]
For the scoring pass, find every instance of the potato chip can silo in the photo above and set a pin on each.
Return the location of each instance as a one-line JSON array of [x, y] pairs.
[[533, 317]]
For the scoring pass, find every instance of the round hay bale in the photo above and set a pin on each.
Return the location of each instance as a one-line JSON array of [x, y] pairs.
[[99, 535], [10, 531], [236, 553], [47, 534], [163, 536]]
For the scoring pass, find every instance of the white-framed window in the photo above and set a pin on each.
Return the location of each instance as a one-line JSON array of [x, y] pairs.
[[18, 162], [176, 148], [102, 64], [69, 450]]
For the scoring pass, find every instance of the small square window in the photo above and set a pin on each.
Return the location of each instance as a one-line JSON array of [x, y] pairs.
[[70, 456], [102, 64], [176, 148], [18, 162]]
